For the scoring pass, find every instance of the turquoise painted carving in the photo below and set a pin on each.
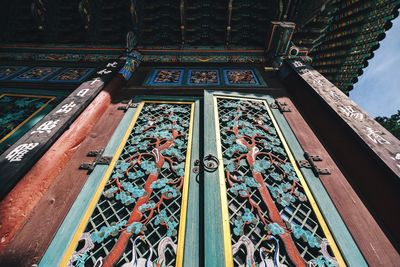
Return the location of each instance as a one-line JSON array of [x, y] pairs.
[[272, 221], [137, 216], [15, 112]]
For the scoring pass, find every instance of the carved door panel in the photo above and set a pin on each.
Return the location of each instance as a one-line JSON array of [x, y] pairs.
[[259, 208], [264, 211], [135, 212]]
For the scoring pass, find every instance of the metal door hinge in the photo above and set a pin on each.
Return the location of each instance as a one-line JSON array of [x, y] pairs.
[[99, 160], [129, 104], [281, 106], [309, 163]]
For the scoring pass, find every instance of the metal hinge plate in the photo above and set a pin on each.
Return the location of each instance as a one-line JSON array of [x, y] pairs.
[[281, 106], [129, 104], [309, 163], [99, 160]]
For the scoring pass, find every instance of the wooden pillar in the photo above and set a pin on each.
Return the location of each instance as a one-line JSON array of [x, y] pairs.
[[366, 153]]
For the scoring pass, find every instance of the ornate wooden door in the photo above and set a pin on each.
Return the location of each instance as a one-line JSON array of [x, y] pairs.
[[260, 208], [144, 209], [135, 211]]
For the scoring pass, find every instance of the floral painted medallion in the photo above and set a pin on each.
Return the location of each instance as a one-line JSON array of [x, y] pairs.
[[240, 77], [203, 77], [167, 77]]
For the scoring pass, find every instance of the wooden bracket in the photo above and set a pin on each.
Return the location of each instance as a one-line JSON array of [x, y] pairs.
[[309, 163], [99, 160]]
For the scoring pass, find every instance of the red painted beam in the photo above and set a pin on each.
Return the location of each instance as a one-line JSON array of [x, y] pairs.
[[371, 240], [17, 206]]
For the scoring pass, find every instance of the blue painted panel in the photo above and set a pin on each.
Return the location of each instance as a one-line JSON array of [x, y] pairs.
[[203, 77], [7, 72], [240, 77], [72, 75], [166, 77], [36, 74], [206, 77]]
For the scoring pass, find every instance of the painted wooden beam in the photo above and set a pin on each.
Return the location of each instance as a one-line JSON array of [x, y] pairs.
[[380, 140], [365, 151], [41, 192], [371, 240], [20, 157]]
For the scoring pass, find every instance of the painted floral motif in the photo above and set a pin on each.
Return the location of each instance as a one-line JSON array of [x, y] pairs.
[[36, 74], [72, 75], [14, 110], [167, 76], [207, 77], [268, 206], [140, 204], [186, 77], [238, 77], [7, 71]]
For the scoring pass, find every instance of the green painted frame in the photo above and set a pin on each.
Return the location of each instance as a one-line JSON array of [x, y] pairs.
[[215, 249], [64, 235]]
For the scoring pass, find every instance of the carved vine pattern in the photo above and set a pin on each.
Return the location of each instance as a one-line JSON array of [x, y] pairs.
[[263, 189], [138, 213]]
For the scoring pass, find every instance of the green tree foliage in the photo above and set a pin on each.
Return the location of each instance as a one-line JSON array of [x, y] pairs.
[[392, 123]]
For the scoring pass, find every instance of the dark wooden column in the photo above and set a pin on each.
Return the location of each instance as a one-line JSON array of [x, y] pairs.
[[366, 153]]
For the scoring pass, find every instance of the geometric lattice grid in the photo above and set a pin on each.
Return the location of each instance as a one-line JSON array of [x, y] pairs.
[[271, 218], [138, 214]]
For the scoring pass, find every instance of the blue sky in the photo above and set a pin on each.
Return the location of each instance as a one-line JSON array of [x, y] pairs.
[[378, 89]]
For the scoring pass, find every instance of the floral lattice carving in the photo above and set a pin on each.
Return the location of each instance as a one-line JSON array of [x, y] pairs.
[[270, 216], [138, 215]]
